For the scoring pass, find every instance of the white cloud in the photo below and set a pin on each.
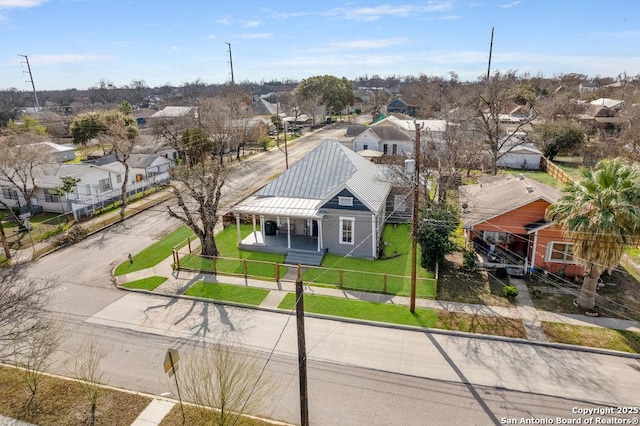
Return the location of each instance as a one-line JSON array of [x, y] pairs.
[[65, 58], [23, 4], [212, 36], [510, 5], [254, 36], [251, 24], [174, 48], [223, 21], [377, 12], [368, 44]]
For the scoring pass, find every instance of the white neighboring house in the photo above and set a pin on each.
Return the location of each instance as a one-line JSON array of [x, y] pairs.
[[517, 154], [387, 140], [59, 152], [99, 184]]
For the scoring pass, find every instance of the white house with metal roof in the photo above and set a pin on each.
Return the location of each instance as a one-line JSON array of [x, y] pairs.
[[331, 200]]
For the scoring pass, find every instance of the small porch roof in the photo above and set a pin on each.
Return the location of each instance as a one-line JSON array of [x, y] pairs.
[[280, 206]]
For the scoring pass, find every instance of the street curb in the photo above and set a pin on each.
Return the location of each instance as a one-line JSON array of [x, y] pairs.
[[133, 214], [464, 334]]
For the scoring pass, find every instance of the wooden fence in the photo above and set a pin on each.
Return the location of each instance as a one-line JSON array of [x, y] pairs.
[[555, 171]]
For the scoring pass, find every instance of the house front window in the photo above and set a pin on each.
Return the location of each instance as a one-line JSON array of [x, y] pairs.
[[365, 146], [559, 252], [104, 184], [51, 198], [385, 149], [394, 149], [9, 194], [347, 227]]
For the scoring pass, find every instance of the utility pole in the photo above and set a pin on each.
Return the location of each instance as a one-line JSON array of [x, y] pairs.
[[33, 86], [414, 216], [490, 52], [302, 353], [286, 154], [231, 63]]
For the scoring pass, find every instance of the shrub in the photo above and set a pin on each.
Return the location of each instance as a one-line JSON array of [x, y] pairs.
[[74, 235], [469, 260], [510, 291]]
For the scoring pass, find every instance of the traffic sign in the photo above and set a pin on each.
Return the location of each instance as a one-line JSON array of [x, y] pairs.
[[171, 361]]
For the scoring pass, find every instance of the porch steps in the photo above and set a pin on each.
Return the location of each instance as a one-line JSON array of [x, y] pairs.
[[303, 257]]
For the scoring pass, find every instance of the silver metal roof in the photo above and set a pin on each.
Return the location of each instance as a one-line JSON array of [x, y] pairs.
[[320, 175]]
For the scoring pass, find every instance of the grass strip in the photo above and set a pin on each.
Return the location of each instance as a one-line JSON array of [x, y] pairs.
[[228, 293], [397, 314], [360, 309], [156, 252], [145, 284], [594, 337]]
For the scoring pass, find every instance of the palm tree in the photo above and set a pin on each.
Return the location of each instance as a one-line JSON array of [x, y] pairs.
[[601, 214]]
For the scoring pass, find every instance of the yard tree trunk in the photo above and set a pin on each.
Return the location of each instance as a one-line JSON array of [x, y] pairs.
[[587, 296], [123, 192]]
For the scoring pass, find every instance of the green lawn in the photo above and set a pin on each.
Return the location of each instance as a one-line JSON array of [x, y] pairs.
[[145, 284], [397, 314], [396, 240], [156, 252], [228, 293], [228, 246], [359, 309]]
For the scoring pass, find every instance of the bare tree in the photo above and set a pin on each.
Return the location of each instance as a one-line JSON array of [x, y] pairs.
[[489, 100], [170, 131], [23, 302], [225, 382], [87, 371], [34, 357], [19, 164]]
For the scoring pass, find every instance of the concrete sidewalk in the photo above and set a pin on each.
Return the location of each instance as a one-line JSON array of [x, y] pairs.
[[179, 281]]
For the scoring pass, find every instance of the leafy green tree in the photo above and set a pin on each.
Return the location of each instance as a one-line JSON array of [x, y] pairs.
[[435, 233], [27, 124], [559, 136], [601, 215], [334, 93], [116, 132], [68, 185], [197, 144]]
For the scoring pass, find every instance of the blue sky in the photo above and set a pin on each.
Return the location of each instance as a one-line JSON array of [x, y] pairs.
[[75, 43]]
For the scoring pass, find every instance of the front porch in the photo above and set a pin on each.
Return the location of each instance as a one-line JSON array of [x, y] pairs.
[[299, 249], [279, 243]]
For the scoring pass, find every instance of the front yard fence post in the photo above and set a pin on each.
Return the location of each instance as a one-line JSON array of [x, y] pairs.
[[277, 271], [384, 281], [244, 267], [177, 260], [215, 264], [341, 274], [189, 243]]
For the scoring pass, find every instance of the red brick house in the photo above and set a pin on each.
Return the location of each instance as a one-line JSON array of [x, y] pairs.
[[503, 219]]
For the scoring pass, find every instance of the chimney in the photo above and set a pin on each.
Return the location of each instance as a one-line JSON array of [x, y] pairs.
[[529, 188]]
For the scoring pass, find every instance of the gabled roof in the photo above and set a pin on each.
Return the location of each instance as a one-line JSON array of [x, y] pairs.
[[390, 133], [355, 129], [263, 107], [316, 178], [490, 199], [609, 103], [138, 161], [174, 111]]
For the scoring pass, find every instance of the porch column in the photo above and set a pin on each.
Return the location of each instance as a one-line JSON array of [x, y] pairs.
[[288, 233], [238, 229], [320, 242], [374, 239], [535, 247], [262, 228], [253, 221]]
